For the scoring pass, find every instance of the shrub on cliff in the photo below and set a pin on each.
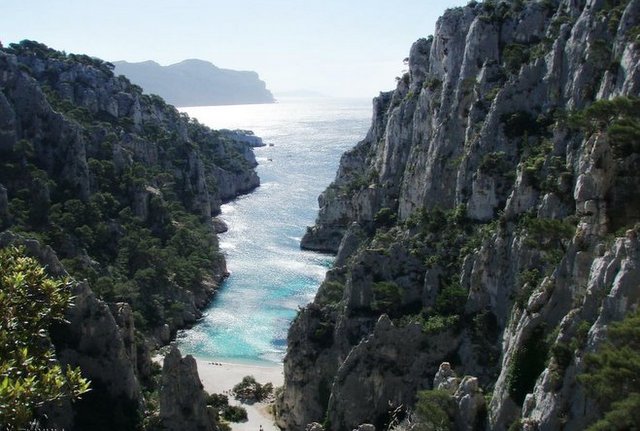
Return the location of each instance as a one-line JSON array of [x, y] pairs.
[[612, 376], [434, 411], [619, 118]]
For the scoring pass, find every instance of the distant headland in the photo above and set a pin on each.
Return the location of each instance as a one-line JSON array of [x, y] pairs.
[[196, 83]]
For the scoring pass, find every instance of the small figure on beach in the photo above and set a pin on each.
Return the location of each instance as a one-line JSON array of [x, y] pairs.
[[261, 428]]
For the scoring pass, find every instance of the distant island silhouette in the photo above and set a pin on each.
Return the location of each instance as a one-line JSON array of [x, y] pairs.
[[196, 83]]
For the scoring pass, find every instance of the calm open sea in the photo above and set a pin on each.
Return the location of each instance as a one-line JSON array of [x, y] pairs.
[[270, 276]]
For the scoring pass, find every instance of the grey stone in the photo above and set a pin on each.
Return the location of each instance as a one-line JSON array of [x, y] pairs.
[[441, 140], [219, 225], [445, 379], [182, 398]]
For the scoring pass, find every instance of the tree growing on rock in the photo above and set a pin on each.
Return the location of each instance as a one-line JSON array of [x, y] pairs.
[[30, 377]]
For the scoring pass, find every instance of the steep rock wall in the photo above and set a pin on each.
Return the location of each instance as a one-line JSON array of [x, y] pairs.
[[88, 159], [477, 209]]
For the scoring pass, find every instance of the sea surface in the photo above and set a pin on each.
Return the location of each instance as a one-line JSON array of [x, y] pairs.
[[271, 278]]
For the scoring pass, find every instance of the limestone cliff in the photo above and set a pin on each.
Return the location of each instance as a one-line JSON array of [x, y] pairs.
[[183, 404], [490, 214], [119, 189], [119, 183]]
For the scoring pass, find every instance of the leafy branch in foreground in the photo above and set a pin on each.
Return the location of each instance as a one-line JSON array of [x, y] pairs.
[[30, 376]]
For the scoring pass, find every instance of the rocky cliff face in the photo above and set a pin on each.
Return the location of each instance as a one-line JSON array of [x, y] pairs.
[[116, 181], [182, 399], [119, 188], [489, 213]]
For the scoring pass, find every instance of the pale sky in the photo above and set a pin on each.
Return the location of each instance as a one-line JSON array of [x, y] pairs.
[[336, 47]]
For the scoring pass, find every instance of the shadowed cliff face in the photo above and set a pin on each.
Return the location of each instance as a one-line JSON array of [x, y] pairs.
[[119, 189], [119, 183], [182, 399], [94, 341], [484, 214]]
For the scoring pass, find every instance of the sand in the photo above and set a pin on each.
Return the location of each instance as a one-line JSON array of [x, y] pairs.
[[220, 379]]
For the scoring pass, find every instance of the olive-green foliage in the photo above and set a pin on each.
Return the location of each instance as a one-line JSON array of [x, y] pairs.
[[387, 297], [360, 181], [516, 425], [451, 299], [444, 238], [550, 236], [31, 302], [151, 395], [434, 411], [494, 164], [501, 11], [561, 356], [491, 94], [537, 229], [619, 118], [533, 160], [514, 56], [235, 414], [528, 280], [437, 323], [250, 389], [526, 365], [386, 217], [633, 34], [230, 413], [624, 415], [612, 376], [520, 123], [322, 333], [330, 293], [432, 84], [612, 11], [441, 235], [217, 400]]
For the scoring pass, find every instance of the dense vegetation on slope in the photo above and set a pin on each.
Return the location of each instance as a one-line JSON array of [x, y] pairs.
[[119, 183], [489, 220], [122, 187], [612, 375]]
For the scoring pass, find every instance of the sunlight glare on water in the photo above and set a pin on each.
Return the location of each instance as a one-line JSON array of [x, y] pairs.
[[270, 276]]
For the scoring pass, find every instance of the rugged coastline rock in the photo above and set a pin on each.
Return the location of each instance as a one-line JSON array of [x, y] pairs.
[[244, 136], [182, 398], [116, 189], [493, 207], [90, 162], [196, 83]]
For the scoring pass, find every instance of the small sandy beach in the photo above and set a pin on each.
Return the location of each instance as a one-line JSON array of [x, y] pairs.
[[220, 378]]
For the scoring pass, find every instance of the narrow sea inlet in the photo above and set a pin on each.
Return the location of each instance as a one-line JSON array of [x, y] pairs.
[[270, 276]]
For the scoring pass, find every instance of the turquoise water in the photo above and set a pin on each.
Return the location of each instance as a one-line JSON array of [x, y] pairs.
[[270, 276]]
